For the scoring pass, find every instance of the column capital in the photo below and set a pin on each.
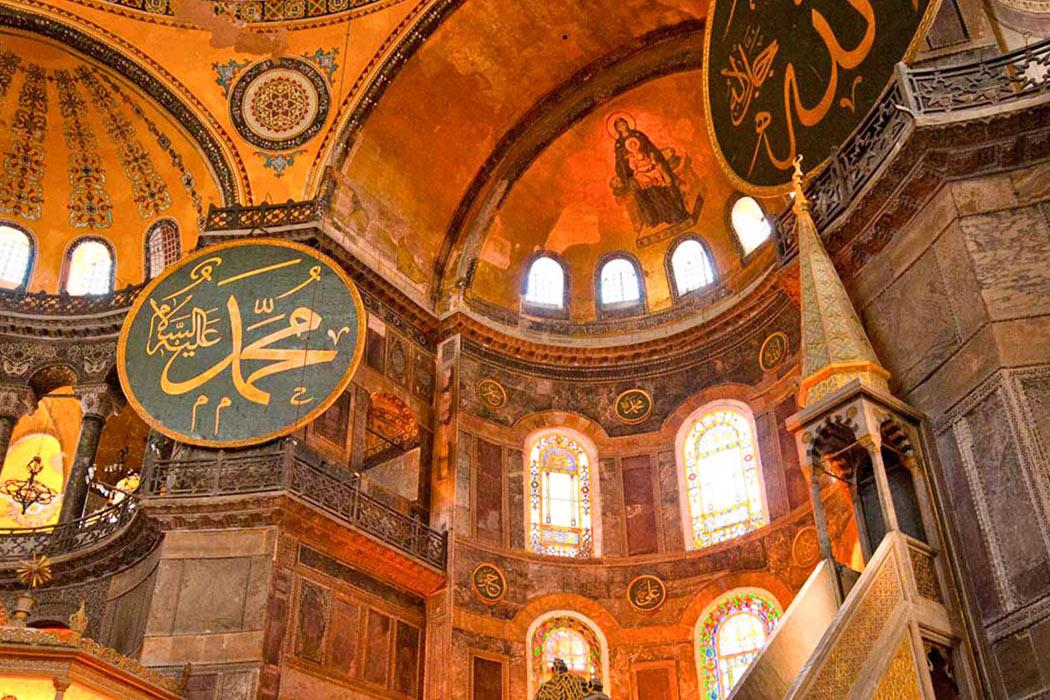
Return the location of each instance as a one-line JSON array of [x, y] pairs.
[[98, 400], [16, 401], [871, 442]]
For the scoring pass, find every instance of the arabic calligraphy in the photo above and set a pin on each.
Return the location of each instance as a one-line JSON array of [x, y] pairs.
[[258, 336], [489, 583], [791, 76], [773, 351], [633, 406], [492, 393], [646, 593]]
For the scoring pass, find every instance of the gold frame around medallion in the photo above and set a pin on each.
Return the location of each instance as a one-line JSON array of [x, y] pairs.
[[502, 392], [311, 415], [636, 579], [632, 421], [502, 578], [779, 190]]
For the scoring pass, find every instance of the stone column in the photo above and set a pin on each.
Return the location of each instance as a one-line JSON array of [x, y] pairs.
[[820, 520], [882, 483], [96, 404], [15, 402]]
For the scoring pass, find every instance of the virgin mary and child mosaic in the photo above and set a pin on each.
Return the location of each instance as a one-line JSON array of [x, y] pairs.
[[652, 182]]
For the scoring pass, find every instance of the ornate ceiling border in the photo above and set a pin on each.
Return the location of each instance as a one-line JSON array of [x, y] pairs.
[[94, 50]]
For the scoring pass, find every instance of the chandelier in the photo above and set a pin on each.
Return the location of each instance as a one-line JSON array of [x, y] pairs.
[[29, 492]]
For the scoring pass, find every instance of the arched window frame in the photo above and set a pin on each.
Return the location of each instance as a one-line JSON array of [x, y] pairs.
[[708, 662], [155, 227], [619, 309], [535, 666], [735, 236], [589, 532], [691, 537], [27, 274], [67, 261], [673, 279], [533, 308]]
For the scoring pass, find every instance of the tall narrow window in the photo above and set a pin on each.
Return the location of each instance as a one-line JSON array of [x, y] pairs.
[[721, 475], [691, 267], [162, 246], [545, 285], [569, 638], [90, 268], [16, 252], [750, 223], [729, 636], [560, 491], [619, 283]]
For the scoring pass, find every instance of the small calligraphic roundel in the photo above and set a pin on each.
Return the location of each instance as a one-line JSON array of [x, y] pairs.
[[784, 78], [646, 593], [488, 583], [492, 393], [633, 406], [241, 343], [773, 351]]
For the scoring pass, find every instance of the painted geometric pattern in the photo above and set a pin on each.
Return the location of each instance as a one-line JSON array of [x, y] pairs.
[[559, 497], [260, 10], [89, 205], [150, 193], [21, 190], [570, 640], [717, 672], [901, 681]]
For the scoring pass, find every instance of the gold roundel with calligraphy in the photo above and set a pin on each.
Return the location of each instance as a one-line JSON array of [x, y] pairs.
[[633, 406], [784, 78], [488, 583], [492, 393], [241, 343], [773, 351], [646, 593]]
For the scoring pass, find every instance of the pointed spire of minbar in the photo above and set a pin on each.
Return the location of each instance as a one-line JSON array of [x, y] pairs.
[[835, 348]]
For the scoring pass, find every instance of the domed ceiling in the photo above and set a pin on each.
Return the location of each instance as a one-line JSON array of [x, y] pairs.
[[84, 154]]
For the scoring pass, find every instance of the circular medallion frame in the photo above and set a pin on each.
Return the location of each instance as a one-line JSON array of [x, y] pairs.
[[646, 593], [483, 590], [639, 416], [777, 345], [309, 416], [278, 104], [491, 388]]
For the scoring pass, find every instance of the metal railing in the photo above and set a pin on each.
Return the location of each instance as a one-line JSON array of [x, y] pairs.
[[282, 470], [916, 92], [19, 543], [38, 314], [290, 213]]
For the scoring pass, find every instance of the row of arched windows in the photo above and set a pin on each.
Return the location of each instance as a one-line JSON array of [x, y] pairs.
[[619, 280], [720, 483], [727, 637], [90, 264]]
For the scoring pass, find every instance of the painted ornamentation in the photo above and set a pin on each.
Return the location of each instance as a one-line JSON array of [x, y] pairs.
[[279, 105], [21, 189], [89, 204], [773, 351], [492, 393], [150, 193], [488, 583], [646, 593], [633, 406]]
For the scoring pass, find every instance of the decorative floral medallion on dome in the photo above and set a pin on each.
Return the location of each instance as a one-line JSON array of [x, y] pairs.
[[279, 104], [21, 189], [89, 204]]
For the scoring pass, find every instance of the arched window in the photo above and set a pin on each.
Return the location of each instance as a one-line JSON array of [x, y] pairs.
[[560, 492], [162, 247], [750, 223], [720, 474], [569, 637], [545, 285], [16, 253], [619, 283], [729, 635], [691, 267], [89, 268]]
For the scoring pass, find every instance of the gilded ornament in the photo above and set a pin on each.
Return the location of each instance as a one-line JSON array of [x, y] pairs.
[[488, 583], [279, 104], [646, 593], [633, 406], [492, 393], [35, 572], [773, 352]]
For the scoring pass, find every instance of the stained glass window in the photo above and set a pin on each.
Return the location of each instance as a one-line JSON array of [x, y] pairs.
[[162, 246], [559, 497], [90, 268], [722, 477], [15, 253], [546, 283], [729, 637], [569, 639], [691, 267], [750, 223], [619, 282]]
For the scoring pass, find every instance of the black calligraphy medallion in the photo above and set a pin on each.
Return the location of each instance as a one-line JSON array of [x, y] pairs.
[[241, 343], [773, 351], [646, 593], [492, 393], [790, 77], [633, 406], [488, 583]]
